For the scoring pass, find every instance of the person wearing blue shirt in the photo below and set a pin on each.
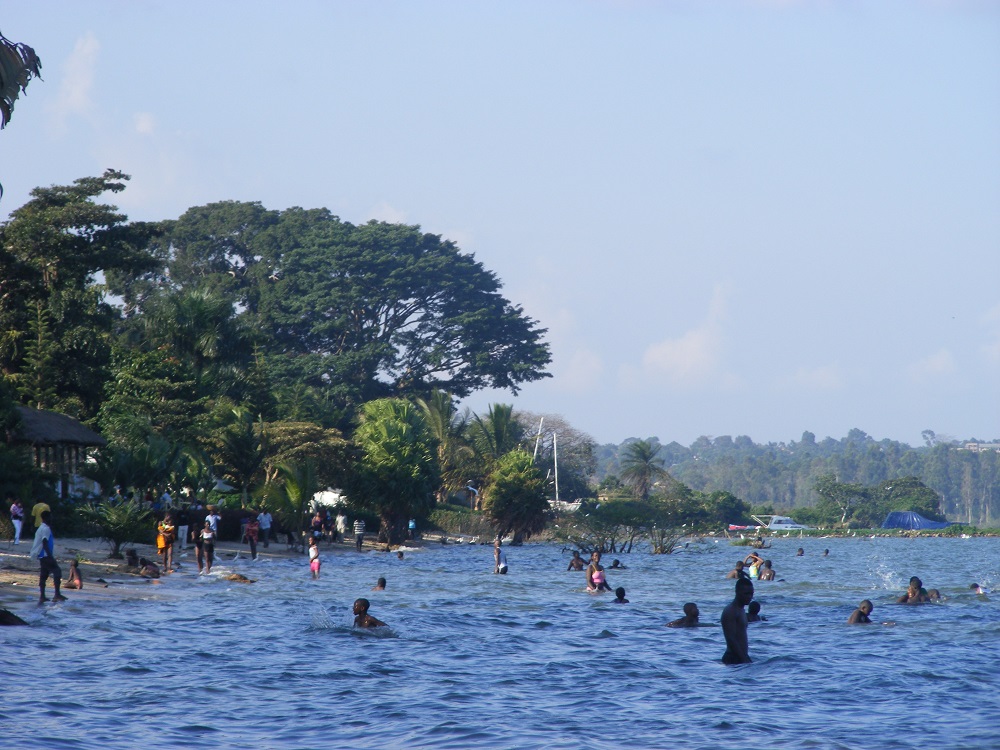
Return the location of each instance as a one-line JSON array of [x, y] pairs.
[[44, 550]]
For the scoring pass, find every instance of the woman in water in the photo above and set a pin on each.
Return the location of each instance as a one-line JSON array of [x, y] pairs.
[[208, 545], [596, 581]]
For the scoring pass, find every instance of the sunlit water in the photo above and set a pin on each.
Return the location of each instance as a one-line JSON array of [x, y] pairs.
[[527, 660]]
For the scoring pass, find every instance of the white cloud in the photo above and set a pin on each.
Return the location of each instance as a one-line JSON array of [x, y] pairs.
[[822, 378], [933, 366], [384, 212], [144, 122], [75, 89], [687, 359]]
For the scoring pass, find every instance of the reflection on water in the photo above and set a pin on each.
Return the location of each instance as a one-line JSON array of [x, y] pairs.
[[527, 660]]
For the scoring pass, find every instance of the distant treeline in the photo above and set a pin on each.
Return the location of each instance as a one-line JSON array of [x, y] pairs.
[[783, 475]]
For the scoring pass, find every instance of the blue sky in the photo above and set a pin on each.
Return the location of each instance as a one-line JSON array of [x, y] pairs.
[[733, 218]]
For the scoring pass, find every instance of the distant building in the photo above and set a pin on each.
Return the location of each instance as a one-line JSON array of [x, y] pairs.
[[58, 444], [982, 447]]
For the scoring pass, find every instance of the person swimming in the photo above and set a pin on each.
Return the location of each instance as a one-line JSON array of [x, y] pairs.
[[361, 617], [753, 613], [379, 585], [915, 593], [620, 596], [860, 615], [690, 618], [576, 562]]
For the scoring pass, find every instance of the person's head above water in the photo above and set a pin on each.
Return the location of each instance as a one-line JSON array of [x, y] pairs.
[[620, 592], [754, 608], [866, 606], [744, 591], [739, 565], [361, 606], [691, 610], [380, 583]]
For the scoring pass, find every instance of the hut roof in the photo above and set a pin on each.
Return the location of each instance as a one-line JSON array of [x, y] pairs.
[[40, 427]]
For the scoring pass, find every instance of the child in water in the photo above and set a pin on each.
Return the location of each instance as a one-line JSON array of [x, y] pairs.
[[75, 580], [361, 617], [753, 613], [620, 595], [314, 563], [860, 615]]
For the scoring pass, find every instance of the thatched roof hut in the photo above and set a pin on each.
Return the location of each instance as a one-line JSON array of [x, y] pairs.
[[58, 442]]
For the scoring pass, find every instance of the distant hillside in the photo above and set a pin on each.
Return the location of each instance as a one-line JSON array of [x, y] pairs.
[[783, 474]]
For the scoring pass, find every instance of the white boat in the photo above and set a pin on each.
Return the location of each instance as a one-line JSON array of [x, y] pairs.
[[779, 523]]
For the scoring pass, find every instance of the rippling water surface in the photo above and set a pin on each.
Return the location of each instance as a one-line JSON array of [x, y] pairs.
[[527, 660]]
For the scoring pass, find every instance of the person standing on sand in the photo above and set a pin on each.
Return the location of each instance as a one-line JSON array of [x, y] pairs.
[[44, 551], [264, 519], [16, 516], [734, 624]]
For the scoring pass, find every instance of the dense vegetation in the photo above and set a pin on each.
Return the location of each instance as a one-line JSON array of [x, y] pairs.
[[284, 352], [780, 477]]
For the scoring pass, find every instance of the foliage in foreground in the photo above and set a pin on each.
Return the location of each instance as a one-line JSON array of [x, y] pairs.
[[119, 523]]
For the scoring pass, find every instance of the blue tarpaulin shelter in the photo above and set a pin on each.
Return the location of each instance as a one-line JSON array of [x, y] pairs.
[[909, 519]]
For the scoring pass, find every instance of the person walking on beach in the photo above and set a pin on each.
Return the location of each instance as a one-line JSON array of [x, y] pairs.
[[43, 550], [264, 519], [251, 533], [16, 516], [199, 548], [359, 533], [183, 522], [208, 537], [314, 563], [165, 541], [499, 558], [734, 624]]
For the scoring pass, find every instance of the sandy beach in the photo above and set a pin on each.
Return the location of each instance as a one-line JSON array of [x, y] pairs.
[[19, 573]]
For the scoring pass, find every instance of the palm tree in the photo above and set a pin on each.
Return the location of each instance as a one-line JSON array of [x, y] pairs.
[[292, 493], [448, 429], [642, 467], [239, 452], [496, 435]]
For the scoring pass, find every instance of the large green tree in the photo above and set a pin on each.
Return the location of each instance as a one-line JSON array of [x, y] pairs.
[[397, 473], [515, 497], [53, 251]]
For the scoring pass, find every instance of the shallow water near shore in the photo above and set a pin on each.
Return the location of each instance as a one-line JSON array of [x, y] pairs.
[[527, 660]]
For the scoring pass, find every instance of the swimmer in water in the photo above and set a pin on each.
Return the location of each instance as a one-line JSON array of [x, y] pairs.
[[379, 585], [576, 562], [690, 618], [620, 596], [361, 617], [767, 572], [734, 624], [978, 590], [616, 565], [738, 571], [596, 580], [860, 615], [753, 613], [915, 593]]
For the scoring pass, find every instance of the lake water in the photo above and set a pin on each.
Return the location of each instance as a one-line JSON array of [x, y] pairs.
[[527, 660]]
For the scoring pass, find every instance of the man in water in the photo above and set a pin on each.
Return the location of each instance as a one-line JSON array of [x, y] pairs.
[[499, 558], [576, 562], [361, 617], [753, 613], [915, 593], [734, 624], [43, 550], [620, 596], [379, 585], [860, 615], [690, 618], [738, 571], [767, 574]]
